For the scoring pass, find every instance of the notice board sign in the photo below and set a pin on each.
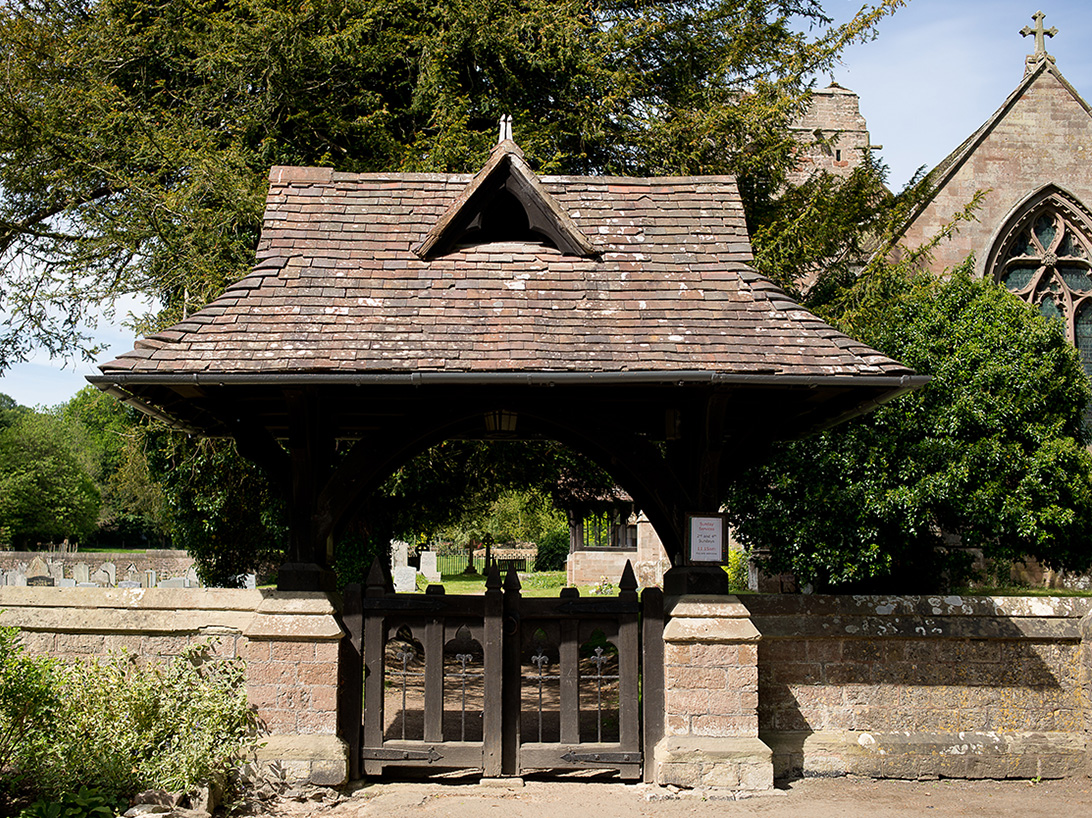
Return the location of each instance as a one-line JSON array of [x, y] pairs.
[[707, 536]]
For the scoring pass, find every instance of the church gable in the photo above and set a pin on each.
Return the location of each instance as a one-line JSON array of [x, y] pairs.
[[1041, 134]]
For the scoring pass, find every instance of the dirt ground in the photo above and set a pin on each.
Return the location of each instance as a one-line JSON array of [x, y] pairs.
[[807, 798]]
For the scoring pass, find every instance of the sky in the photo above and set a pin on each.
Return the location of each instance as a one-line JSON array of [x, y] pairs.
[[937, 70]]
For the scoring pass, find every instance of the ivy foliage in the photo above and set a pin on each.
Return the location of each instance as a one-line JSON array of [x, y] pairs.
[[989, 455]]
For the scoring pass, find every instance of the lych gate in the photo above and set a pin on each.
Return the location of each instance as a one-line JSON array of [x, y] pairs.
[[503, 683], [394, 311]]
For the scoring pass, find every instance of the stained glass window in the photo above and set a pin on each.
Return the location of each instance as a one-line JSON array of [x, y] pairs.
[[1047, 264]]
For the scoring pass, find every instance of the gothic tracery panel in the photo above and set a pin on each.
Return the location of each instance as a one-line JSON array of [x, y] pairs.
[[1045, 258]]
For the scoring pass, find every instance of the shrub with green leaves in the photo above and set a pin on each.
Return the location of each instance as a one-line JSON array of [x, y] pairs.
[[29, 703], [87, 803], [119, 726], [990, 455], [131, 726]]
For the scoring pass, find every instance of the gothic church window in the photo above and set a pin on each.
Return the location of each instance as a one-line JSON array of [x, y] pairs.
[[1047, 261]]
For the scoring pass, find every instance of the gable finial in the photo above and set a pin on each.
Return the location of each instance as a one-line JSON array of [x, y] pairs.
[[1040, 37], [505, 128]]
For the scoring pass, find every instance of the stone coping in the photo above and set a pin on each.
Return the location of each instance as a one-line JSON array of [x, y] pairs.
[[1045, 618], [259, 614], [924, 605]]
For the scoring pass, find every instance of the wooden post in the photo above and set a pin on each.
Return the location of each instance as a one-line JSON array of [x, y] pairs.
[[492, 750], [628, 664], [374, 643], [350, 687], [434, 673], [511, 705], [652, 676]]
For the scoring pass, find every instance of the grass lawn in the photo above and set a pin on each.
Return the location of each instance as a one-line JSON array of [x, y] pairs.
[[539, 583]]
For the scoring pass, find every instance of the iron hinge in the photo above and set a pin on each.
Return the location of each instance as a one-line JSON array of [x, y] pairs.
[[602, 758], [373, 754]]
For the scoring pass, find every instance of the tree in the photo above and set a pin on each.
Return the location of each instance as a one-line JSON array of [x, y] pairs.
[[990, 455], [136, 135], [47, 489], [133, 511], [220, 507]]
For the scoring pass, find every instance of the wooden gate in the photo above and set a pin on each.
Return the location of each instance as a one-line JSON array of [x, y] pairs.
[[499, 682]]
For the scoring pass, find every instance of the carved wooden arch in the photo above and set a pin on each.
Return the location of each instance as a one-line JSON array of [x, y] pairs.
[[639, 466]]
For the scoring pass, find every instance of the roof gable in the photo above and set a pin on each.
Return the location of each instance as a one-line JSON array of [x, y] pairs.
[[504, 202]]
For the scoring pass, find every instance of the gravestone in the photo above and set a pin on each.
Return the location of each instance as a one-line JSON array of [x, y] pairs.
[[173, 582], [81, 573], [405, 579], [428, 566], [191, 578], [132, 574], [102, 578], [151, 579], [87, 585], [128, 583], [37, 568], [250, 581], [111, 573], [399, 554], [40, 581], [17, 578], [56, 570], [64, 582]]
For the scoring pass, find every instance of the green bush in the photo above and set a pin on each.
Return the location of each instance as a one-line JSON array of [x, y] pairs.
[[553, 548], [87, 803], [29, 704], [119, 726], [737, 569]]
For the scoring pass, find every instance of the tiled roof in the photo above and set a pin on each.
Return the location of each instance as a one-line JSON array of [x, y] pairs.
[[337, 289]]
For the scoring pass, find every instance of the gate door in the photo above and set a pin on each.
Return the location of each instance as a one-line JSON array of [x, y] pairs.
[[502, 683]]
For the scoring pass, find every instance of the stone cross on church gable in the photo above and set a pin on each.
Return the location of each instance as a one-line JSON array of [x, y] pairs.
[[1040, 34]]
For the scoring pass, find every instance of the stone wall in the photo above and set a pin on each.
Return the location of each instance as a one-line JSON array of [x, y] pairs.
[[167, 563], [906, 687], [290, 642], [755, 686]]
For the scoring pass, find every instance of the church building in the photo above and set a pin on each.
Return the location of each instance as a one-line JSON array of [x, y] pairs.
[[1033, 229], [1031, 161]]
